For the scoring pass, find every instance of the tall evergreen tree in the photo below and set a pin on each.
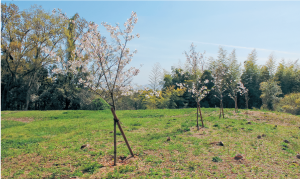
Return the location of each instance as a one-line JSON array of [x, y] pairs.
[[250, 79]]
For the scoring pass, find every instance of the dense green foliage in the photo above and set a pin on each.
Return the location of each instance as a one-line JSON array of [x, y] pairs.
[[291, 103], [270, 92], [26, 80]]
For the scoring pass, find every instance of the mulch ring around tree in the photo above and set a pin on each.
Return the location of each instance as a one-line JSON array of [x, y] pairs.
[[108, 161]]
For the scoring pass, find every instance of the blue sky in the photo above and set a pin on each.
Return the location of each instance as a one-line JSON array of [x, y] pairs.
[[168, 28]]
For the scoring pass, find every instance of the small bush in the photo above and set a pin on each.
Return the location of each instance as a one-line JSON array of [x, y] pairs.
[[290, 103]]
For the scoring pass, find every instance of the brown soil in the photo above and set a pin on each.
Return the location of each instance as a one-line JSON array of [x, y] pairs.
[[23, 119]]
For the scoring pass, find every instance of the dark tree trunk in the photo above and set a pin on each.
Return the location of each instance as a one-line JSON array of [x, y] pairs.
[[113, 101], [115, 142], [200, 114], [27, 99], [28, 93], [235, 102], [3, 101], [223, 110], [116, 121], [220, 108], [67, 104], [5, 93], [246, 96]]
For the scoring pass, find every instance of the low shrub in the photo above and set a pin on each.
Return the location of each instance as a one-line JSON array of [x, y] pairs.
[[290, 103]]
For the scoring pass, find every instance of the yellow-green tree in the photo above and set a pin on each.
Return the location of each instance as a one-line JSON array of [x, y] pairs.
[[291, 103], [270, 92], [29, 39]]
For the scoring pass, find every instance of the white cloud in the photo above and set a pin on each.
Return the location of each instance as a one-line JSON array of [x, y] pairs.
[[250, 48]]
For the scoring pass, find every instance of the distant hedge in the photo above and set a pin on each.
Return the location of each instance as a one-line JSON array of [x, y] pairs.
[[291, 103]]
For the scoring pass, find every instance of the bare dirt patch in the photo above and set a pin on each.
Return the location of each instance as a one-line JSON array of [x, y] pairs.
[[21, 162], [272, 118], [108, 164], [23, 119], [201, 133]]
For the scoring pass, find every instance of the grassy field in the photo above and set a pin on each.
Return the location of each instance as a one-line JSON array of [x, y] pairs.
[[47, 144]]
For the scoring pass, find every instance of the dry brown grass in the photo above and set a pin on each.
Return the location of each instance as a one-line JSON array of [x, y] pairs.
[[23, 119], [282, 119]]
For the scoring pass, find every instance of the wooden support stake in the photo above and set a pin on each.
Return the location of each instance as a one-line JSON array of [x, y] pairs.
[[122, 132], [115, 143], [197, 118]]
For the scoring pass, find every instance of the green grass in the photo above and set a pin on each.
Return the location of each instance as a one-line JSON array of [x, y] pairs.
[[47, 144]]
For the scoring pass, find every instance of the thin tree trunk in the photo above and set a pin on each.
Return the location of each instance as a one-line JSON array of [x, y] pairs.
[[27, 99], [4, 96], [113, 100], [28, 96], [235, 102], [67, 104], [201, 115], [116, 120], [197, 117], [28, 91], [246, 96], [3, 101], [220, 108]]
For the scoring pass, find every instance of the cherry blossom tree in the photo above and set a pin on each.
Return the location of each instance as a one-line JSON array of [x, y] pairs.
[[194, 59], [198, 95], [105, 63], [244, 91], [199, 91], [234, 90]]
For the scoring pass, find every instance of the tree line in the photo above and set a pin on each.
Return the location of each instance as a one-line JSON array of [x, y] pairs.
[[265, 85], [28, 81]]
